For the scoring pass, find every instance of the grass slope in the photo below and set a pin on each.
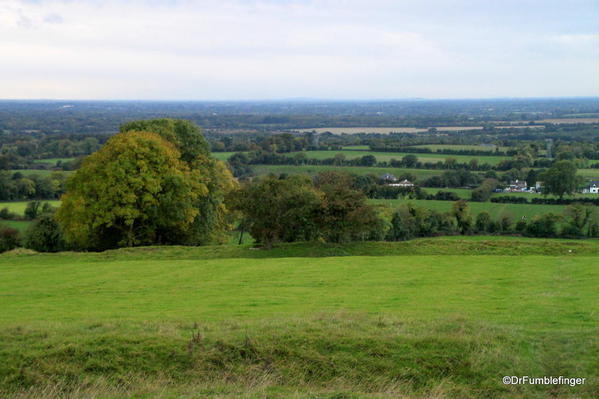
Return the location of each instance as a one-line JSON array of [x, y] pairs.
[[419, 319]]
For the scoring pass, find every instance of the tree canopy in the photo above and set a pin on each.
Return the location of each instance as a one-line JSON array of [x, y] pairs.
[[147, 187]]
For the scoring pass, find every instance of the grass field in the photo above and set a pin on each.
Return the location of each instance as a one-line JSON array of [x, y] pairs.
[[223, 156], [19, 206], [53, 161], [387, 130], [496, 210], [420, 174], [431, 318], [387, 156], [458, 147], [21, 225]]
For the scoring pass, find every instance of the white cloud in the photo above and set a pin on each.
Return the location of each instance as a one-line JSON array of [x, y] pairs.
[[209, 49]]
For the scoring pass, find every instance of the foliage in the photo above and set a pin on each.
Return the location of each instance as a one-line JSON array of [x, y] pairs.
[[278, 210], [44, 235], [133, 191], [560, 179], [9, 238]]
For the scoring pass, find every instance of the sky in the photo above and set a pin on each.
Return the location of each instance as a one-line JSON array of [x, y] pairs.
[[286, 49]]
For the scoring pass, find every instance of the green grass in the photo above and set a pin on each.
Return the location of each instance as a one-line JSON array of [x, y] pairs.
[[421, 174], [21, 225], [53, 161], [282, 323], [495, 209], [387, 156], [223, 156], [430, 318], [435, 147], [19, 206]]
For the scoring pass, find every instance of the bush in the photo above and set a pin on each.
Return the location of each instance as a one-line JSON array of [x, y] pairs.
[[543, 226], [44, 235], [6, 214], [9, 238]]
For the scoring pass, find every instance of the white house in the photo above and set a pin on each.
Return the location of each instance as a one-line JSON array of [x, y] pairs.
[[403, 183], [592, 188]]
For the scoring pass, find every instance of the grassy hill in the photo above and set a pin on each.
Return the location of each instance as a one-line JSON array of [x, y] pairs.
[[431, 318]]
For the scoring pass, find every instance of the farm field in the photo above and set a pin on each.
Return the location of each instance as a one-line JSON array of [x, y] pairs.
[[495, 209], [359, 170], [387, 130], [19, 206], [53, 161], [21, 225], [446, 317], [458, 147], [387, 156], [223, 156]]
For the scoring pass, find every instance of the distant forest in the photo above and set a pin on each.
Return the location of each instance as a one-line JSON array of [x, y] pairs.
[[104, 117]]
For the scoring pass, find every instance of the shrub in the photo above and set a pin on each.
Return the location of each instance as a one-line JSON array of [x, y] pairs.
[[44, 235], [9, 238], [543, 226]]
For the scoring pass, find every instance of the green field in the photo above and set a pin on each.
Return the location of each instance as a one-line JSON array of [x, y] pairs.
[[420, 174], [431, 318], [223, 156], [53, 161], [496, 210], [21, 225], [19, 206], [387, 156], [435, 147]]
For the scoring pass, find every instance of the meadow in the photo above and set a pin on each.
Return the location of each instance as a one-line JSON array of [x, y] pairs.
[[54, 161], [19, 206], [387, 156], [421, 174], [495, 209], [387, 130], [431, 318]]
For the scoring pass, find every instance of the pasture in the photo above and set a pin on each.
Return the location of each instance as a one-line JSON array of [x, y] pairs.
[[388, 156], [420, 174], [431, 318], [387, 130], [460, 147], [496, 210], [19, 206], [54, 161]]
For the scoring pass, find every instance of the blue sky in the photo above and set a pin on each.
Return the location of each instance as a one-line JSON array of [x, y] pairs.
[[276, 49]]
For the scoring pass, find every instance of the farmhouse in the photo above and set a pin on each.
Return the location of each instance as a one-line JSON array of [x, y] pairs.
[[403, 183], [592, 188]]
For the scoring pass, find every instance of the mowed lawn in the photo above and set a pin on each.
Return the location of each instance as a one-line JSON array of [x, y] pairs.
[[540, 292], [495, 209]]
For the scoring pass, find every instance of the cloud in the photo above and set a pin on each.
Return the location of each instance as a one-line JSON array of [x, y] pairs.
[[53, 19], [222, 49]]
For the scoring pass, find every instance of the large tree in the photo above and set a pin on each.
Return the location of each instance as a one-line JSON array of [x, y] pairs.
[[278, 210], [211, 223], [134, 191], [560, 179]]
